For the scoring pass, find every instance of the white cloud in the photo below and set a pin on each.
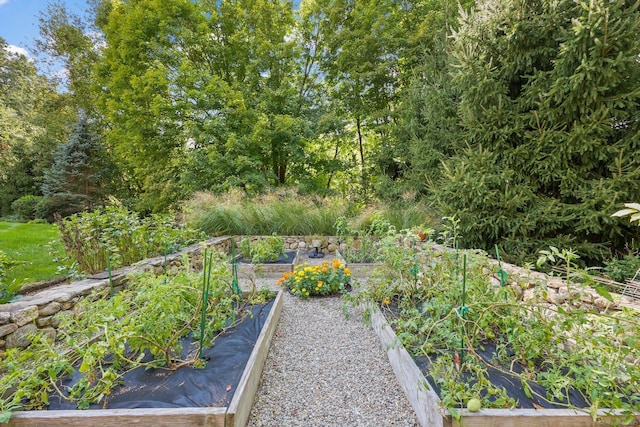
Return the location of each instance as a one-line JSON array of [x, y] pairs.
[[3, 2], [17, 49]]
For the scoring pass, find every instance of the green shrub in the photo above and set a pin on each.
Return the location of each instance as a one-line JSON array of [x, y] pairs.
[[120, 235], [26, 207], [622, 269]]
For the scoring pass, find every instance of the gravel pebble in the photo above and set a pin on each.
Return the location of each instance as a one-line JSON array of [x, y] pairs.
[[326, 370]]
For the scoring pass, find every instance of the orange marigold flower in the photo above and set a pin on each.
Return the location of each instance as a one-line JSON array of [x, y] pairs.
[[347, 272], [325, 269], [336, 263]]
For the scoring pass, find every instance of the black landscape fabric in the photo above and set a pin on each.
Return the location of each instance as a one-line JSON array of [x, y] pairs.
[[287, 258], [511, 384], [186, 387]]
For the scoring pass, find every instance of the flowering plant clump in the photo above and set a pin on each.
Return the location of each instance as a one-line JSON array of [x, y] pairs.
[[325, 279]]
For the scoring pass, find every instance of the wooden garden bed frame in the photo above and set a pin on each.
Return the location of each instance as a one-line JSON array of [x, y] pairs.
[[271, 271], [426, 402], [236, 414], [358, 269]]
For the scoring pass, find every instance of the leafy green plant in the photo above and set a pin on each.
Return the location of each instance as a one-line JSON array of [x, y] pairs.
[[447, 312], [624, 268], [7, 290], [116, 235], [108, 336], [327, 278], [262, 250], [359, 245], [26, 206]]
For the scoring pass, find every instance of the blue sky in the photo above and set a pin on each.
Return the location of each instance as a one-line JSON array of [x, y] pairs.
[[19, 20]]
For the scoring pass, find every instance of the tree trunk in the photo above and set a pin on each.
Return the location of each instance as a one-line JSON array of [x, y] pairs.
[[361, 147]]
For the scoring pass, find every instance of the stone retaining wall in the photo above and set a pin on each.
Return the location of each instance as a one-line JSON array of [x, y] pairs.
[[37, 312], [328, 244]]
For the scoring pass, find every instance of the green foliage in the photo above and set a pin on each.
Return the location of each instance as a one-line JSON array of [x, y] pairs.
[[118, 236], [287, 214], [262, 250], [361, 244], [623, 268], [33, 120], [547, 149], [7, 290], [109, 336], [26, 207], [446, 314], [328, 278], [79, 173]]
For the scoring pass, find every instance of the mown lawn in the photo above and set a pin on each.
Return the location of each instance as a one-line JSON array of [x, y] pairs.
[[35, 248]]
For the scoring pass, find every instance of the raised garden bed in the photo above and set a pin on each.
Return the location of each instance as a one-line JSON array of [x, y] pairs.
[[426, 402], [275, 269], [180, 348], [359, 269], [526, 350], [236, 413]]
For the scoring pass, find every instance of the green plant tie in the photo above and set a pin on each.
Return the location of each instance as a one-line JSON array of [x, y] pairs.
[[206, 281], [463, 310], [414, 272], [109, 273], [503, 275], [234, 270]]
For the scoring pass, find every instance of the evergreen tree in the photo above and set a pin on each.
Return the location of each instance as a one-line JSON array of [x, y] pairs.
[[549, 108], [77, 178]]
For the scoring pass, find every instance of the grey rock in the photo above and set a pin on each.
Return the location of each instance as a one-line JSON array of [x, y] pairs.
[[7, 329], [49, 309], [25, 315], [49, 333], [20, 338]]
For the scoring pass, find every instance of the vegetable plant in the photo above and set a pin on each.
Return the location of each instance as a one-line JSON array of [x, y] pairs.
[[115, 232], [7, 290], [361, 245], [465, 325], [141, 326], [263, 250]]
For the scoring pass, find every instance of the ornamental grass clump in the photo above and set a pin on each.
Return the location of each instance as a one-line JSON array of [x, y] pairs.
[[326, 279]]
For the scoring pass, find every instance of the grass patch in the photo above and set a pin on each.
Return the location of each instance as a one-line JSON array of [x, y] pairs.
[[34, 249]]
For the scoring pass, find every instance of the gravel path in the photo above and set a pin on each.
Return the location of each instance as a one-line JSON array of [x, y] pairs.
[[325, 370]]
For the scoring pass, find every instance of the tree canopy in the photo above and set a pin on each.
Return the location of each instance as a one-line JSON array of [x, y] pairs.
[[520, 117]]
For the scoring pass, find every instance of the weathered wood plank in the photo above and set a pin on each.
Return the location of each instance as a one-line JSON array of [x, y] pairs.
[[420, 394], [534, 418], [240, 407], [160, 417]]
